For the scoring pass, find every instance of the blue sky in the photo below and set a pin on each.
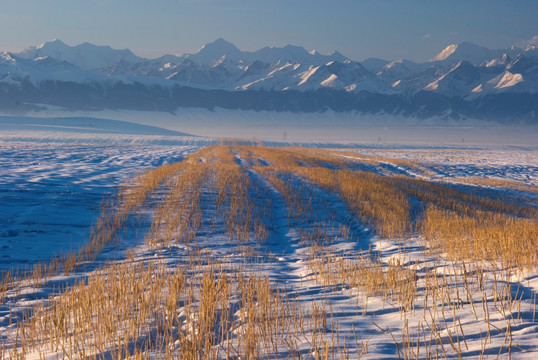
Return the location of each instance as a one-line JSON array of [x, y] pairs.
[[412, 29]]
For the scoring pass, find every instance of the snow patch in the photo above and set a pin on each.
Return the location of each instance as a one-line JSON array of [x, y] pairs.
[[330, 81], [449, 50], [508, 80]]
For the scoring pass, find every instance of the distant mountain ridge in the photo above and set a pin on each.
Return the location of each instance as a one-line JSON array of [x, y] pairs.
[[462, 81], [86, 56]]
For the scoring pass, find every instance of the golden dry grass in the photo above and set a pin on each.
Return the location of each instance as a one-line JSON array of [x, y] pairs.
[[209, 308], [496, 230]]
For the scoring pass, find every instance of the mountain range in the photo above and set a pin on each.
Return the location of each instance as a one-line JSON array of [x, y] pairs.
[[462, 81]]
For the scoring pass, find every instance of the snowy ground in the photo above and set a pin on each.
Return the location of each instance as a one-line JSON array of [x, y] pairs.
[[53, 182], [51, 193], [55, 173], [509, 164]]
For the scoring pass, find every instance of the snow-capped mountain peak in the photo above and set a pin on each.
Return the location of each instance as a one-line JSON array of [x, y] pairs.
[[449, 50], [213, 51], [458, 74], [338, 55], [500, 61], [54, 44], [472, 53], [210, 53], [7, 57], [86, 56], [220, 45]]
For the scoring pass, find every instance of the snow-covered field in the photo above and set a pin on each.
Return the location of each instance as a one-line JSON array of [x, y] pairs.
[[51, 193], [445, 164], [53, 180], [55, 174]]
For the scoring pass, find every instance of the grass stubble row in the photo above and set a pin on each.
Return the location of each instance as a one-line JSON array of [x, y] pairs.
[[140, 309], [504, 234], [477, 238], [207, 308]]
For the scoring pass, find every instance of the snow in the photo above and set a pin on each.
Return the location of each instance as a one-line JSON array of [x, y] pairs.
[[477, 89], [55, 173], [374, 65], [434, 85], [447, 164], [51, 192], [81, 156], [307, 74], [459, 80], [503, 60], [402, 70], [221, 65], [214, 51], [449, 50], [472, 53], [506, 82], [508, 79], [45, 68], [86, 56], [330, 81]]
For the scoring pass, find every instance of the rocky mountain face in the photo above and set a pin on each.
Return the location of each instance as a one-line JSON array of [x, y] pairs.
[[462, 81]]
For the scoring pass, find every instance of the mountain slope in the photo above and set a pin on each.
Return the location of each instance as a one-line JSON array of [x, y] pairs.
[[469, 52], [459, 82], [86, 56], [14, 69]]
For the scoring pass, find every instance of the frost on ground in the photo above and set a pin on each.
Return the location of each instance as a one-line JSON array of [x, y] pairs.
[[241, 252]]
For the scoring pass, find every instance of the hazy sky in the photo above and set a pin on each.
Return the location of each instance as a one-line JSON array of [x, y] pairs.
[[412, 29]]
